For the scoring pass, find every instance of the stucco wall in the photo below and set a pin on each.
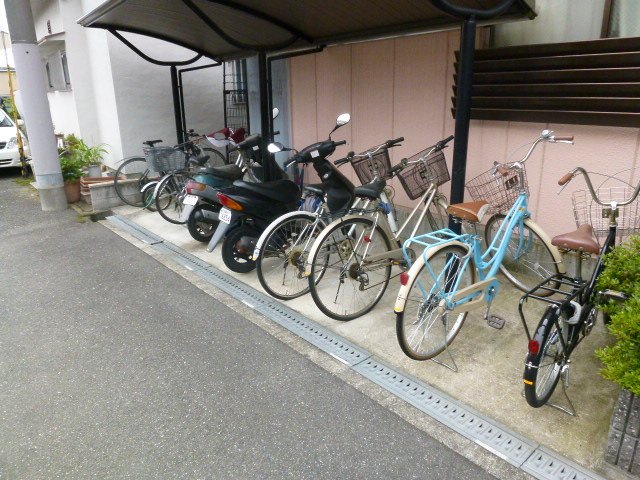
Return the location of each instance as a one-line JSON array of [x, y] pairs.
[[403, 87]]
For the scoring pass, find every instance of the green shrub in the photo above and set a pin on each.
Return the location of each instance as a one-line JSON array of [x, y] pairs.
[[71, 167], [622, 273]]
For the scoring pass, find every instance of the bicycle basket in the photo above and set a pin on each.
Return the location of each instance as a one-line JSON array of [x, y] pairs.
[[501, 191], [363, 164], [586, 211], [430, 170], [164, 159]]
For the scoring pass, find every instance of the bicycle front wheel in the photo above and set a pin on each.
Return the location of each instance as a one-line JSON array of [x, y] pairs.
[[528, 259], [544, 366], [130, 177], [355, 269], [424, 326], [169, 196], [283, 256]]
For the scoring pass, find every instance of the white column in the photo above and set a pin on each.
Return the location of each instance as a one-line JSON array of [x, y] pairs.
[[35, 105]]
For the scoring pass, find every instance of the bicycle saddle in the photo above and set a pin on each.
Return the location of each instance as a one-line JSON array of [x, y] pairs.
[[230, 172], [581, 240], [371, 190], [284, 191], [151, 143], [471, 211]]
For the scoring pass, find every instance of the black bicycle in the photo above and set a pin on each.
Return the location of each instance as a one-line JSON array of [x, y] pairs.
[[573, 308]]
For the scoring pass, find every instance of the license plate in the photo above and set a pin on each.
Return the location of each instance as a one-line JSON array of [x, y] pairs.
[[190, 200], [225, 215]]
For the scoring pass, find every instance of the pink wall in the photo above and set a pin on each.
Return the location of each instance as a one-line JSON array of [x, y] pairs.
[[403, 87]]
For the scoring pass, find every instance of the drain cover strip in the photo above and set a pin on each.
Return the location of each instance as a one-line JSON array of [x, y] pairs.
[[523, 453]]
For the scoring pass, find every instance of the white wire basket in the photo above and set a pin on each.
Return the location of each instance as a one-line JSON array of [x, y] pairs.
[[587, 211], [164, 159]]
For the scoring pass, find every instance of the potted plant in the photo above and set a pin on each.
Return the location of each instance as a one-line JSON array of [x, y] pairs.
[[71, 166]]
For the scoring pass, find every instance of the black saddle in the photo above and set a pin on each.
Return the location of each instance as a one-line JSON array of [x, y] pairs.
[[314, 188], [230, 172], [371, 190]]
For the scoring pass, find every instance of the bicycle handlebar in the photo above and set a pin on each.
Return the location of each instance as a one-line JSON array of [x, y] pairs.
[[573, 173]]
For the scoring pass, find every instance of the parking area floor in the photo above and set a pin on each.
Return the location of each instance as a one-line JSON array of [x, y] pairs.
[[490, 362]]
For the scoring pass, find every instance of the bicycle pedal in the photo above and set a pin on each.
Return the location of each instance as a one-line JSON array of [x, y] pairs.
[[496, 322]]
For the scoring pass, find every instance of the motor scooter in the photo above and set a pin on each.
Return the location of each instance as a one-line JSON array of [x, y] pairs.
[[248, 209]]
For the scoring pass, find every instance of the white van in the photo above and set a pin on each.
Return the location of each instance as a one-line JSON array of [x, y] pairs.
[[9, 154]]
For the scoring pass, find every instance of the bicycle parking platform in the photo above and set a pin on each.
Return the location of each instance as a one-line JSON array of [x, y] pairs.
[[483, 401]]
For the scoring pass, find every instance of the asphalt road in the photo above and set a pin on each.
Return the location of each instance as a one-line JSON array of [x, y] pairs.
[[114, 366]]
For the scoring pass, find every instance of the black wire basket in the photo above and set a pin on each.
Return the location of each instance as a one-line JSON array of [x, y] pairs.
[[417, 178], [500, 191], [366, 164]]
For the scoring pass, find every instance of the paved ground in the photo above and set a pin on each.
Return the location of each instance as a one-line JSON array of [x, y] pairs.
[[490, 362], [114, 366]]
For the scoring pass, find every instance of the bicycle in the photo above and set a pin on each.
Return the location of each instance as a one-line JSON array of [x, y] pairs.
[[356, 252], [442, 282], [572, 313], [135, 179]]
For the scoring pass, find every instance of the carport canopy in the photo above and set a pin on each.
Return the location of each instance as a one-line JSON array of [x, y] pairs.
[[231, 29]]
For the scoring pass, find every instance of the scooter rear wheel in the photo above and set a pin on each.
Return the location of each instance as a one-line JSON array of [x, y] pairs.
[[200, 229], [236, 260]]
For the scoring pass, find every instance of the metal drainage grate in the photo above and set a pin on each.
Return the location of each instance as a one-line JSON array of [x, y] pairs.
[[548, 465], [136, 230], [501, 441]]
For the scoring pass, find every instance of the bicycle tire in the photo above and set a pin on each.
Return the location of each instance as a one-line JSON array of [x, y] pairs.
[[148, 200], [437, 215], [528, 269], [335, 255], [132, 170], [541, 378], [282, 258], [169, 195], [216, 158], [419, 315]]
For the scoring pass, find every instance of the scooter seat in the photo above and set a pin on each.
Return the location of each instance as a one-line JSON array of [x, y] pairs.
[[284, 191], [231, 172], [371, 190]]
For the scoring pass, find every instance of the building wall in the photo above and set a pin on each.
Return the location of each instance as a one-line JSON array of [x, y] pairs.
[[403, 87]]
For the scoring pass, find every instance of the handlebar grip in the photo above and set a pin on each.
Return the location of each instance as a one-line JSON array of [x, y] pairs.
[[447, 140], [563, 139], [391, 143], [565, 179], [341, 142], [341, 161]]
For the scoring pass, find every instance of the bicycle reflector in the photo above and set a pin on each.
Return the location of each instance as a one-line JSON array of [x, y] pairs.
[[229, 202], [404, 278], [534, 346], [191, 185]]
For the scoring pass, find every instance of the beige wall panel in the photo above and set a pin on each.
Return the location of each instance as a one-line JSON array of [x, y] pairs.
[[303, 100], [333, 67], [420, 99]]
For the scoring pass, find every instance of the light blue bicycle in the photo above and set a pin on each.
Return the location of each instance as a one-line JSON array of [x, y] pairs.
[[455, 275]]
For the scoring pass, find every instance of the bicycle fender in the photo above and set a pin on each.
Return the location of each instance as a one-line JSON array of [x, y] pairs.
[[272, 225], [557, 256], [415, 269], [321, 238]]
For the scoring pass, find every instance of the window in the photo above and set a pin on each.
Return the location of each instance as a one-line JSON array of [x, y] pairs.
[[49, 81], [65, 70]]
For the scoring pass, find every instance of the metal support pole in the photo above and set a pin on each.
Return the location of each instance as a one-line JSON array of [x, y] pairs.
[[42, 141], [175, 89], [463, 114], [265, 115]]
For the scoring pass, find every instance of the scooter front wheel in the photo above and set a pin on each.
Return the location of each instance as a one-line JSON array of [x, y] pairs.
[[200, 228], [237, 250]]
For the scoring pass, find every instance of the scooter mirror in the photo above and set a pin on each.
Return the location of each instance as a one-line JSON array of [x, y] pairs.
[[275, 147], [343, 119], [275, 112]]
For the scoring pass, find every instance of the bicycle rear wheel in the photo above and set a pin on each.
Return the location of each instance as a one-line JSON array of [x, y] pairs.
[[424, 327], [169, 196], [528, 260], [130, 177], [544, 366], [283, 256], [350, 285]]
